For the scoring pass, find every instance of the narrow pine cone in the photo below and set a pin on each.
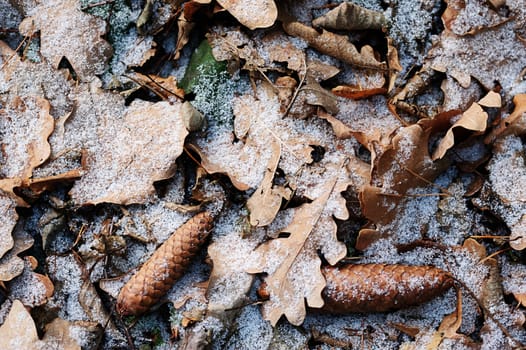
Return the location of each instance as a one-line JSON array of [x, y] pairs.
[[379, 287], [167, 264]]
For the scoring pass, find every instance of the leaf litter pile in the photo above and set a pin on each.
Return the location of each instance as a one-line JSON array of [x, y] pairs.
[[262, 175]]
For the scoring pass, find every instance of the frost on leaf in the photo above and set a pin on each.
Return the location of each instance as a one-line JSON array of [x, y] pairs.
[[66, 31], [473, 119], [9, 218], [292, 263], [10, 264], [252, 14], [133, 151], [21, 78], [264, 139], [507, 175], [467, 56], [41, 286], [25, 125], [19, 332]]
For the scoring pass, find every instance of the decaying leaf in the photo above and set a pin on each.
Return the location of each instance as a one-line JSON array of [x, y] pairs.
[[264, 139], [24, 137], [515, 123], [474, 119], [292, 263], [449, 56], [25, 79], [66, 31], [41, 286], [19, 332], [349, 16], [507, 173], [10, 217], [469, 17], [261, 14], [334, 45], [10, 264]]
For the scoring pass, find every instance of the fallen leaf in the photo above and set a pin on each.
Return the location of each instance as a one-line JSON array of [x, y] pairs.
[[10, 217], [26, 125], [66, 31], [449, 55], [292, 263], [10, 264], [474, 119], [468, 17], [261, 14], [357, 93], [349, 16], [41, 286], [134, 147], [334, 45], [19, 332], [515, 123]]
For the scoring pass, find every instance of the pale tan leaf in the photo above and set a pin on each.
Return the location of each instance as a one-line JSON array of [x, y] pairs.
[[9, 219], [474, 119], [41, 286], [66, 31], [515, 123], [10, 264], [133, 151], [292, 263], [492, 99], [258, 14], [19, 330], [265, 202], [26, 125]]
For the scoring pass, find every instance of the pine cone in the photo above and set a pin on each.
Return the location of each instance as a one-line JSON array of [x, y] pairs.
[[379, 287], [167, 264]]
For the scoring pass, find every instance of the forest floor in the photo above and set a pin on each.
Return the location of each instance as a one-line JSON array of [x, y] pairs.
[[362, 165]]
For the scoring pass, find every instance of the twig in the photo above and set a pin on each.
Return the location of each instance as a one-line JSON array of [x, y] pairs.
[[293, 99]]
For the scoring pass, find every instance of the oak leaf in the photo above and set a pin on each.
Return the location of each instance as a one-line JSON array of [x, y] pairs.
[[292, 263], [473, 119], [260, 14], [349, 16], [19, 332], [66, 31]]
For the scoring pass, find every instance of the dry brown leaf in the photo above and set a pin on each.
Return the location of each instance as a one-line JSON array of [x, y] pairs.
[[349, 16], [507, 174], [265, 202], [10, 264], [265, 138], [66, 31], [165, 88], [259, 14], [356, 92], [334, 45], [465, 57], [467, 17], [132, 151], [19, 332], [292, 263], [10, 217], [474, 119], [26, 125], [515, 123], [20, 79], [41, 286]]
